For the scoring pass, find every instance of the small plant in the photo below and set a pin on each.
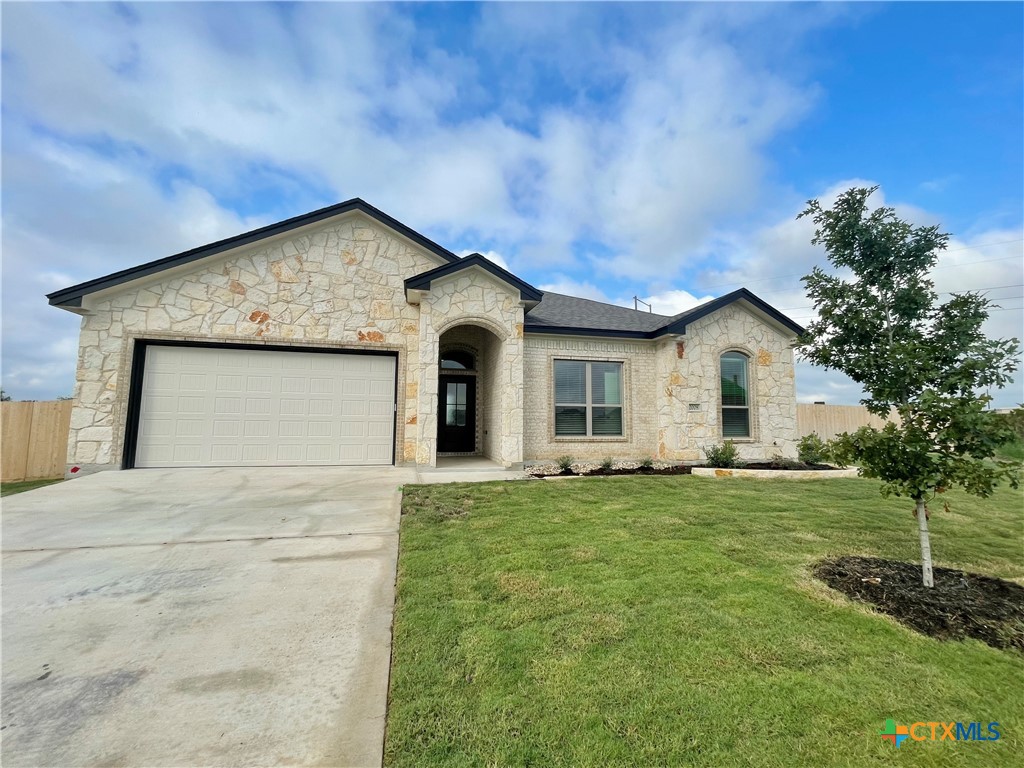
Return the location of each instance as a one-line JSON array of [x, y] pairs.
[[812, 449], [606, 463], [565, 464], [646, 463], [722, 456]]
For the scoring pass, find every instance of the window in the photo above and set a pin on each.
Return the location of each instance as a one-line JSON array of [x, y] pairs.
[[588, 399], [735, 396], [455, 405], [457, 361]]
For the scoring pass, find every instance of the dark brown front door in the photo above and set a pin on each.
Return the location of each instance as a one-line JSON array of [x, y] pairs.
[[456, 418]]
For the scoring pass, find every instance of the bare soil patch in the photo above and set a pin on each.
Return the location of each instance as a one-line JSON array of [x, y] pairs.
[[960, 605]]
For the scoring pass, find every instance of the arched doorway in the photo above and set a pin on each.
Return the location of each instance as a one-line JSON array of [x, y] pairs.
[[469, 407]]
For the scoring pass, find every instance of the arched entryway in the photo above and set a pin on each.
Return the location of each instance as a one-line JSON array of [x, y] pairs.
[[469, 406]]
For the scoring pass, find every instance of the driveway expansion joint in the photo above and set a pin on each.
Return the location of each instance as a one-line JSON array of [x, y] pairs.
[[172, 543]]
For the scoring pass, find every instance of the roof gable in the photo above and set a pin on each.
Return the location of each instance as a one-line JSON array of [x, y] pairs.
[[422, 281], [683, 319], [71, 298]]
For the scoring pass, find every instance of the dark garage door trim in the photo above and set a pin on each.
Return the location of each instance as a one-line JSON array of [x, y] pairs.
[[131, 429]]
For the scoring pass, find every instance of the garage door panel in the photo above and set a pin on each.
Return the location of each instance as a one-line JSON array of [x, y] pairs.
[[264, 407]]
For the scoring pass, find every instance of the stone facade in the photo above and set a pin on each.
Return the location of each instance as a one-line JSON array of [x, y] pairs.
[[639, 383], [688, 376], [474, 297], [340, 284], [673, 395]]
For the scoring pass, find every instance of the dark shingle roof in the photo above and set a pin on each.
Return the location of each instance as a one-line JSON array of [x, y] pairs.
[[559, 311]]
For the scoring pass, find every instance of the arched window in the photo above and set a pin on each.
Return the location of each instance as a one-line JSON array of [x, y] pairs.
[[735, 395], [456, 360]]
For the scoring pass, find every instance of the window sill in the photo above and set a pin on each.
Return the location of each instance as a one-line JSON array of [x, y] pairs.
[[590, 439]]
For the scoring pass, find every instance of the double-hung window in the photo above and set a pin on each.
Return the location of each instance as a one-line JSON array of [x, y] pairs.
[[735, 396], [588, 399]]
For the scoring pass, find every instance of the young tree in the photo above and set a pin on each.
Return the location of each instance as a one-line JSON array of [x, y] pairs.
[[884, 328]]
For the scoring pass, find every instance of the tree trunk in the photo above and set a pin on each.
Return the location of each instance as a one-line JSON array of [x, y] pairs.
[[926, 546]]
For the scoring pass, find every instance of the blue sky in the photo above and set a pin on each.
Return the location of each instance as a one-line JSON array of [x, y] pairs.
[[659, 150]]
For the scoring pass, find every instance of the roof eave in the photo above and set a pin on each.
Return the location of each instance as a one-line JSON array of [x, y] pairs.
[[66, 298]]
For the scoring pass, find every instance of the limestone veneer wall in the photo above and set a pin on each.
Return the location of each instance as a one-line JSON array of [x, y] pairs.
[[473, 297], [688, 368], [493, 402], [468, 338], [640, 414], [338, 285]]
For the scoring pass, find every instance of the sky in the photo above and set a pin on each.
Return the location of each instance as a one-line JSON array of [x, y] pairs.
[[601, 150]]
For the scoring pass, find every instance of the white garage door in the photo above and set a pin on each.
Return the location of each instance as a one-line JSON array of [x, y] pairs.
[[204, 407]]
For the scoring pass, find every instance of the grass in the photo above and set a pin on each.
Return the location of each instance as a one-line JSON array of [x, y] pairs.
[[673, 621], [1011, 451], [6, 489]]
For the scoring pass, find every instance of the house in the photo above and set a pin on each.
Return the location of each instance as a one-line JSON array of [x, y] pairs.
[[344, 337]]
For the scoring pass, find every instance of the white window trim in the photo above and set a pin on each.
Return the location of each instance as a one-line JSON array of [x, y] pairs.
[[589, 405]]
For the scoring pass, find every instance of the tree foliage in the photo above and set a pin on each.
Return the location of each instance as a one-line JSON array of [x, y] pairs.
[[880, 323]]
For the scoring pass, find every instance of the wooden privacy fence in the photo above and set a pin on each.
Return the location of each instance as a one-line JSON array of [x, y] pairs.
[[33, 439], [827, 421]]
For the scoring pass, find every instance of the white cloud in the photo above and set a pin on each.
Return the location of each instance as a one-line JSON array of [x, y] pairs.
[[569, 287], [492, 256], [674, 302], [770, 261], [630, 148]]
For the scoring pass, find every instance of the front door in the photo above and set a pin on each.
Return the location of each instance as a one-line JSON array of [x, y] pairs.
[[456, 419]]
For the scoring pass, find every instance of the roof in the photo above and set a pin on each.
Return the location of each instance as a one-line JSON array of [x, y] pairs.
[[546, 312], [72, 297], [423, 280], [561, 314], [557, 311]]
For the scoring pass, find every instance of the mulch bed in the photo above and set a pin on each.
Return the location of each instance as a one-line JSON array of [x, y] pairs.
[[799, 465], [960, 604], [679, 469], [676, 470]]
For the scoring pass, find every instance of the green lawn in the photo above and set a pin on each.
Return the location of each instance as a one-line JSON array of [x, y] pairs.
[[672, 621], [6, 489]]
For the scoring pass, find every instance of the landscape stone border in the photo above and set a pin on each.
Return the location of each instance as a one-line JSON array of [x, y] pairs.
[[776, 474]]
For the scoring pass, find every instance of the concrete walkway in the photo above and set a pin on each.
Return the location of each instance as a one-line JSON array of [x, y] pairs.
[[466, 469], [228, 617]]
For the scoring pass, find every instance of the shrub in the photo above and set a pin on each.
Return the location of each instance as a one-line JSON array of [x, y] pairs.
[[565, 463], [1013, 420], [812, 449], [722, 456], [606, 463], [647, 463]]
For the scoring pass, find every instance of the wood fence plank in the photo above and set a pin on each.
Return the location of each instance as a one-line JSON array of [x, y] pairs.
[[34, 439], [827, 421], [47, 448]]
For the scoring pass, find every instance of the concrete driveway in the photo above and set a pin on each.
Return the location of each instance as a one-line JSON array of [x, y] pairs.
[[200, 617]]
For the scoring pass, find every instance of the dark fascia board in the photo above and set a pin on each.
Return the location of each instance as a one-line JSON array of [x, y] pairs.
[[72, 297], [562, 330], [423, 280], [679, 326]]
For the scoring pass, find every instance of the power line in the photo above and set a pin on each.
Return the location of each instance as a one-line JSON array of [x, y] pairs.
[[946, 266]]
